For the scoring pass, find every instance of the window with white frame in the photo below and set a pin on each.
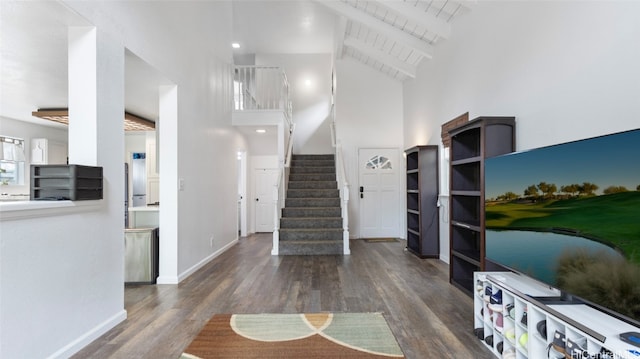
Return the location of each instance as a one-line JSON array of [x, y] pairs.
[[11, 161]]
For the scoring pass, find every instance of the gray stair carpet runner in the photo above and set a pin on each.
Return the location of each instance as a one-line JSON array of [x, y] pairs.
[[311, 222]]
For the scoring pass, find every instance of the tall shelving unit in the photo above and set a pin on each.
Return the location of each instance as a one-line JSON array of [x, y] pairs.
[[471, 144], [422, 198]]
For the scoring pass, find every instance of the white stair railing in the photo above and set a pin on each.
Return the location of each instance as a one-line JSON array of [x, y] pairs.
[[343, 186], [262, 88], [280, 191]]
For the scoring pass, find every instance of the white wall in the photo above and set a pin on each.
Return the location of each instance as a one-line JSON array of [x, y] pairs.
[[265, 143], [27, 131], [62, 268], [368, 115], [565, 70], [169, 36], [66, 272], [310, 87], [134, 142]]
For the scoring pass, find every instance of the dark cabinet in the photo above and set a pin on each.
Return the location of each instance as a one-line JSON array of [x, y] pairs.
[[66, 182], [471, 144], [422, 201]]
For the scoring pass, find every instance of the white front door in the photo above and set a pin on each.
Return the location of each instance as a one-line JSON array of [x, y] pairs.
[[266, 179], [378, 192]]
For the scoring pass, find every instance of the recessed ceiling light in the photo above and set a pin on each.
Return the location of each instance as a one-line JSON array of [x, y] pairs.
[[306, 22], [261, 130], [235, 45]]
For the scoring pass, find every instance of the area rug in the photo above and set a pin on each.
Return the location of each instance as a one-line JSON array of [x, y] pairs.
[[374, 240], [319, 335]]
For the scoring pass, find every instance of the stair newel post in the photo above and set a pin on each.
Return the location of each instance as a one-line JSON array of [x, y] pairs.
[[345, 219], [344, 192], [276, 213]]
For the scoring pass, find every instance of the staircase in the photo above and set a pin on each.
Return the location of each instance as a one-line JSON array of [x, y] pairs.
[[311, 222]]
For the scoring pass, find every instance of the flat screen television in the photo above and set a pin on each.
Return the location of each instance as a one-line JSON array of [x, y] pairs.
[[569, 215]]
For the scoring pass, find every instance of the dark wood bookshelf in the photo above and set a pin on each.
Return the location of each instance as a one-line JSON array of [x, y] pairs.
[[471, 144]]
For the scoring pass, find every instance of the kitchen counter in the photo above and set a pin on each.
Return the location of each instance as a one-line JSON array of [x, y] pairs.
[[14, 210], [144, 209], [5, 197], [144, 217]]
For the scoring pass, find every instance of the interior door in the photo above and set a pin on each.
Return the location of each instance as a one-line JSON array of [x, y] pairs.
[[266, 179], [379, 192]]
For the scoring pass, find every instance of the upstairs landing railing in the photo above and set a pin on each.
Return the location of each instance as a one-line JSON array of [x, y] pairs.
[[262, 88]]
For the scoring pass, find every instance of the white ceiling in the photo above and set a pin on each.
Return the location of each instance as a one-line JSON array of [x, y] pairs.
[[282, 27], [34, 57], [391, 36], [33, 63]]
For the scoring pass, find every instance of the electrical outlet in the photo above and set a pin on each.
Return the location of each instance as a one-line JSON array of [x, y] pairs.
[[211, 241]]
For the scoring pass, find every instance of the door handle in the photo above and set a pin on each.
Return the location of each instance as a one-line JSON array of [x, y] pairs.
[[361, 189], [257, 199]]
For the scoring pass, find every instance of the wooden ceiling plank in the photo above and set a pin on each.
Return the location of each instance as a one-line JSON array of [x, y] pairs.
[[390, 31], [340, 35], [381, 57], [427, 20]]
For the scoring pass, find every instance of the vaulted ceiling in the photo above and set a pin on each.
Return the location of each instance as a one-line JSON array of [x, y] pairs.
[[393, 36]]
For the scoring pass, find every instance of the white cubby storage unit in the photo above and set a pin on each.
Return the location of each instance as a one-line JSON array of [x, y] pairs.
[[595, 331]]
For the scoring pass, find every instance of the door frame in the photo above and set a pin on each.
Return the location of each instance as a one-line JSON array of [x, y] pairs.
[[399, 166], [255, 195], [242, 193]]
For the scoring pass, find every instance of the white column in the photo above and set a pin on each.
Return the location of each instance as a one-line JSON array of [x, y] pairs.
[[95, 248], [83, 96], [169, 184]]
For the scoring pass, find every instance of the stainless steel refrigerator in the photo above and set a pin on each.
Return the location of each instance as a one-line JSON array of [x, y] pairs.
[[139, 180], [126, 195]]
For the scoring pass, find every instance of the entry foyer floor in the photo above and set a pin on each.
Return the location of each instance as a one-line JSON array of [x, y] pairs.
[[429, 317]]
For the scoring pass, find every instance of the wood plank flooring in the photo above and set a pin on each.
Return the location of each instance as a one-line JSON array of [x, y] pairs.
[[429, 317]]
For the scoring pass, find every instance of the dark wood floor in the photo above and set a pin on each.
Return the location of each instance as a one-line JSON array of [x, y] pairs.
[[429, 317]]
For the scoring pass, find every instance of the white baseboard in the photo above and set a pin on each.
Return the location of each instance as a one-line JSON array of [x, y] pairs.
[[85, 339], [190, 271], [206, 260], [167, 280]]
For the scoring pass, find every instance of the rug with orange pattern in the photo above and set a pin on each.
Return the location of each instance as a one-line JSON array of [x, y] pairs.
[[318, 335]]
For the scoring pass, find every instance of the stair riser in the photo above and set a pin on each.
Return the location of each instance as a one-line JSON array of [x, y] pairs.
[[296, 170], [319, 223], [295, 249], [294, 177], [311, 222], [307, 235], [311, 212], [312, 202], [313, 157], [313, 193], [313, 163], [313, 185]]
